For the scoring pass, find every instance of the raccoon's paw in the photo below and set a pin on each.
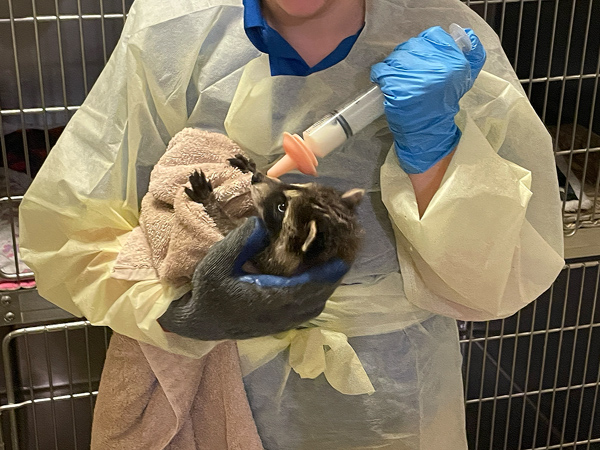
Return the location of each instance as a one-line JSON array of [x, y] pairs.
[[201, 187], [242, 163]]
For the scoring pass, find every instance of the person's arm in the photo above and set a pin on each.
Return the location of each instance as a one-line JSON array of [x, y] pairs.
[[422, 81], [481, 251], [427, 183], [83, 203]]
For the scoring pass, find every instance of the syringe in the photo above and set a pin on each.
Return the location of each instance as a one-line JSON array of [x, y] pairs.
[[339, 125]]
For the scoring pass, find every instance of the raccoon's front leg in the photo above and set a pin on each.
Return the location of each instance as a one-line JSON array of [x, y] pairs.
[[202, 192], [242, 163], [246, 165]]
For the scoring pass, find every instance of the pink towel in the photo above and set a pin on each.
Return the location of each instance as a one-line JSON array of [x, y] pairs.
[[150, 399], [175, 232]]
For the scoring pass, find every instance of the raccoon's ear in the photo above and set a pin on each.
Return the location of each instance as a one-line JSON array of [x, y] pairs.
[[353, 197], [312, 234]]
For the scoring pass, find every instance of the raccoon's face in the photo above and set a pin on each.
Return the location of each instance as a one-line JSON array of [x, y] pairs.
[[308, 223], [271, 202]]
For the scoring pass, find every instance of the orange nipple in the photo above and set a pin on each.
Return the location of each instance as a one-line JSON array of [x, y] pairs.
[[297, 156]]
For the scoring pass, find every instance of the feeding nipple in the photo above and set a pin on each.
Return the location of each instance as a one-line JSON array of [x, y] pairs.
[[297, 156]]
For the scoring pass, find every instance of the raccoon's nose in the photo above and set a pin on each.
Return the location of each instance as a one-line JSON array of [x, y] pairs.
[[257, 177]]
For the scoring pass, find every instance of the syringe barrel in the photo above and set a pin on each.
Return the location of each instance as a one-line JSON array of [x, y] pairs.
[[363, 110], [336, 127], [333, 129]]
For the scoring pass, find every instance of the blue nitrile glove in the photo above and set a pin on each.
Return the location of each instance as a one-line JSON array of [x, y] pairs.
[[226, 303], [422, 81]]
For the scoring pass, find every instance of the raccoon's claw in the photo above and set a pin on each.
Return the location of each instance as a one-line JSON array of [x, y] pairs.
[[201, 187], [242, 163]]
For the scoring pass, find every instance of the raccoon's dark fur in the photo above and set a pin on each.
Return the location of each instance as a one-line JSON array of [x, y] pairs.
[[308, 224]]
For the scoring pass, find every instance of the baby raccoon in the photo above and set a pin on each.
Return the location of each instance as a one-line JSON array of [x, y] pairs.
[[308, 224]]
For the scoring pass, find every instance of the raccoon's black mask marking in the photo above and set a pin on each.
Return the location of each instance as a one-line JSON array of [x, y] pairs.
[[309, 224], [273, 211]]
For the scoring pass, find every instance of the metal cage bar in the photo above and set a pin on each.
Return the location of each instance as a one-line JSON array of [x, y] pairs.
[[42, 88], [532, 380], [45, 392], [556, 54]]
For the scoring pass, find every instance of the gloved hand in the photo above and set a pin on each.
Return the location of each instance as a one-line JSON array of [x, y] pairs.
[[422, 81], [226, 303]]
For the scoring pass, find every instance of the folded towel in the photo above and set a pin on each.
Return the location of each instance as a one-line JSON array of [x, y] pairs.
[[149, 398], [152, 399], [175, 232]]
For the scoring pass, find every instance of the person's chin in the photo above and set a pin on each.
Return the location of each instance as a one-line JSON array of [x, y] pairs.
[[302, 9]]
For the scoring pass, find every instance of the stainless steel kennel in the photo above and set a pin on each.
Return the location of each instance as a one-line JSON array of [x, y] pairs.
[[531, 381]]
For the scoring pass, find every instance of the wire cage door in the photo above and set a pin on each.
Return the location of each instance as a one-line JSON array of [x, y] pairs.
[[532, 380], [554, 47], [52, 51], [51, 374]]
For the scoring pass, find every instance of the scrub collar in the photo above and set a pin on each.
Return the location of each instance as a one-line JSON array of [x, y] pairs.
[[283, 58]]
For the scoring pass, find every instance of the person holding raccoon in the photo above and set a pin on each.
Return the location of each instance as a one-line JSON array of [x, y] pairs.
[[461, 212]]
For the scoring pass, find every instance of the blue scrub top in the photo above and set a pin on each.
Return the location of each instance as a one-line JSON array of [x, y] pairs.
[[284, 60]]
